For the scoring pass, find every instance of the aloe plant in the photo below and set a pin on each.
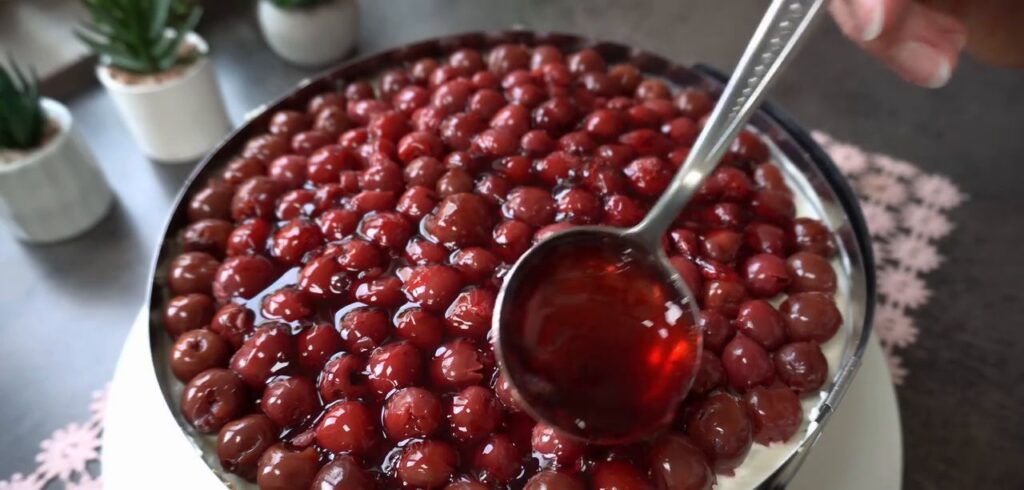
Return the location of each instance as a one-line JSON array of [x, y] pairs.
[[141, 36], [291, 4], [22, 119]]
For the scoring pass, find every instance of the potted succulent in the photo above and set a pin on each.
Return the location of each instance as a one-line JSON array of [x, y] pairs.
[[158, 72], [50, 186], [309, 33]]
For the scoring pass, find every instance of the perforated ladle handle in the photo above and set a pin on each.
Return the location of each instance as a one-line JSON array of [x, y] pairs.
[[780, 33]]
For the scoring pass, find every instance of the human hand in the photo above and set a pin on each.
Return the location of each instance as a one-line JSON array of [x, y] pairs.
[[919, 42]]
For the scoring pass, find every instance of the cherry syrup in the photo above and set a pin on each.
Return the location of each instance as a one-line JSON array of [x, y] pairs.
[[605, 345]]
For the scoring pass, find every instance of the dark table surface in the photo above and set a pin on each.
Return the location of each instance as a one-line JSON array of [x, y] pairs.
[[65, 309]]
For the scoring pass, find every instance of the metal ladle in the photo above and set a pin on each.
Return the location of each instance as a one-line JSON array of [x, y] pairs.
[[782, 29]]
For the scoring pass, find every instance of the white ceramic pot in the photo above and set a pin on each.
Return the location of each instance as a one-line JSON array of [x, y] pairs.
[[310, 36], [56, 191], [176, 120]]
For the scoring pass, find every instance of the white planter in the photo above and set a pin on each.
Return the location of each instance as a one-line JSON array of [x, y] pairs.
[[56, 191], [177, 120], [310, 36]]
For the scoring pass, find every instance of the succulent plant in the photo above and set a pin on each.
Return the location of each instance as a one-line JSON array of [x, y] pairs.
[[22, 120], [291, 4], [141, 36]]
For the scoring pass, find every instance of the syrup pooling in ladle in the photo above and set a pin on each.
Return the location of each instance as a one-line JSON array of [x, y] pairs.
[[600, 339]]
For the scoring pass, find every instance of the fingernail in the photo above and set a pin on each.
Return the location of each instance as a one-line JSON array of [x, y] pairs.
[[923, 64], [870, 16]]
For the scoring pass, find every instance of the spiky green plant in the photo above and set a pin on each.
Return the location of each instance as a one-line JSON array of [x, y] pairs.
[[141, 36], [22, 119], [291, 4]]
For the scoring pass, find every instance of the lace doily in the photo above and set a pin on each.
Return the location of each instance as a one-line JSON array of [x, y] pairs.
[[905, 208]]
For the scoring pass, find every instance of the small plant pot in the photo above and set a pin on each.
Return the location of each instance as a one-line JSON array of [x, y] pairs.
[[310, 36], [56, 191], [176, 116]]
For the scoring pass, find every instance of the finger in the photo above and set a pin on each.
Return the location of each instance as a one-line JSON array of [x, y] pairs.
[[923, 48], [867, 20]]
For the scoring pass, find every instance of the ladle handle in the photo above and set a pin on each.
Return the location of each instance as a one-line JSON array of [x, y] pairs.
[[781, 31]]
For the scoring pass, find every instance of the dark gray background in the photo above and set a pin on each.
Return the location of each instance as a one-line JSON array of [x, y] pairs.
[[65, 309]]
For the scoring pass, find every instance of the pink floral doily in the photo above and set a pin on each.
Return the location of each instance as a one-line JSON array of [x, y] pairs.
[[905, 208], [69, 457]]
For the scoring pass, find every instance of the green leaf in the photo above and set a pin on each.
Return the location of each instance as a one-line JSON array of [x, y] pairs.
[[161, 12], [22, 120]]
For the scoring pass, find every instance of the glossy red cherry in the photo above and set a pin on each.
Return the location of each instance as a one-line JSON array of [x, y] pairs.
[[427, 464], [294, 239], [473, 413], [347, 426], [556, 446], [233, 322], [411, 412], [724, 296], [434, 287], [196, 351], [801, 366], [296, 203], [211, 202], [511, 239], [694, 103], [207, 235], [497, 460], [775, 413], [460, 220], [469, 315], [342, 378], [382, 292], [241, 443], [268, 350], [243, 276], [316, 345], [710, 374], [458, 364], [765, 238], [553, 480], [811, 235], [421, 251], [717, 330], [291, 400], [249, 238], [811, 316], [810, 272], [256, 198], [618, 474], [267, 147], [213, 398], [363, 329], [387, 229], [283, 468], [622, 211], [721, 245], [188, 312], [393, 366], [323, 278], [421, 328], [192, 272], [746, 364], [649, 176], [678, 464], [343, 473], [721, 428], [760, 321], [531, 205]]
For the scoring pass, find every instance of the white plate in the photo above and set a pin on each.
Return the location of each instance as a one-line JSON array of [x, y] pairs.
[[143, 447]]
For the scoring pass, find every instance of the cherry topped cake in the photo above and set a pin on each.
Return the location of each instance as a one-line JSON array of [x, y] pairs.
[[331, 305]]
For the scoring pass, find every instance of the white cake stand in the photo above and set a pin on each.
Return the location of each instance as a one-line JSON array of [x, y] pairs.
[[143, 447]]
